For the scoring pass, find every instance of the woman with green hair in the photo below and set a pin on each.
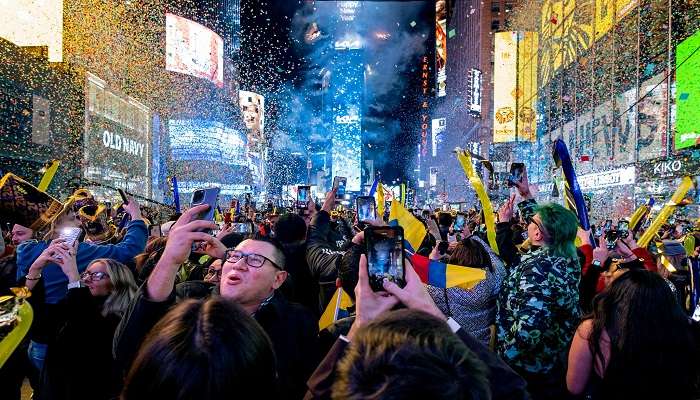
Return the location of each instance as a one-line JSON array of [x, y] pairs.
[[538, 307]]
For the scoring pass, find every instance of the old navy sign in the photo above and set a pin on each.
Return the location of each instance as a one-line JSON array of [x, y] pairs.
[[616, 177], [121, 143]]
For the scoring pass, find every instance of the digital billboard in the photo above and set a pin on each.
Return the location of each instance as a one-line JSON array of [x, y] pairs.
[[474, 91], [441, 46], [526, 95], [34, 23], [687, 93], [205, 140], [253, 112], [117, 139], [504, 86], [438, 128], [193, 49]]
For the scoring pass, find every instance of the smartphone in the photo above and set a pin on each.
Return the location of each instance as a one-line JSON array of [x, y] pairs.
[[366, 208], [303, 194], [623, 225], [208, 196], [242, 228], [385, 256], [339, 182], [122, 194], [516, 174], [459, 222], [442, 247], [69, 235], [608, 225], [155, 230]]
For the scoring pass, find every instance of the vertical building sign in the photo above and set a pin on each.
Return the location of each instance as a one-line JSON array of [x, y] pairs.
[[504, 86], [424, 113], [474, 91], [441, 46], [526, 95]]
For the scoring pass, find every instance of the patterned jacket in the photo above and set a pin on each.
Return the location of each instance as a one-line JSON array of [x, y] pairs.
[[538, 312]]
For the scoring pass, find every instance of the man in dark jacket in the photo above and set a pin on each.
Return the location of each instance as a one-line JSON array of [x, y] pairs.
[[322, 254], [251, 275]]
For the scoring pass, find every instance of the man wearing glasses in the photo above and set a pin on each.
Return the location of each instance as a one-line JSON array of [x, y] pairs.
[[250, 275]]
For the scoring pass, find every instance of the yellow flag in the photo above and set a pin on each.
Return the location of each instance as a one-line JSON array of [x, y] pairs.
[[48, 175], [335, 310], [665, 212], [466, 161], [380, 200], [413, 230], [17, 334]]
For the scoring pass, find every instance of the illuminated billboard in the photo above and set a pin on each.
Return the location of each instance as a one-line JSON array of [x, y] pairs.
[[193, 49], [504, 86], [253, 112], [441, 46], [474, 91], [204, 140], [34, 23], [687, 93], [117, 139], [526, 94], [438, 128]]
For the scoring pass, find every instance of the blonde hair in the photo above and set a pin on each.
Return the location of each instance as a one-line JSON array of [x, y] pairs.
[[123, 287]]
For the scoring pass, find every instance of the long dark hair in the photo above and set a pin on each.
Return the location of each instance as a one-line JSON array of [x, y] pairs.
[[208, 349], [653, 345]]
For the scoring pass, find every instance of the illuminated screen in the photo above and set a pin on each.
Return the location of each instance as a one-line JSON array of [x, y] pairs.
[[688, 92], [193, 49], [253, 112], [441, 46], [504, 69], [117, 139], [34, 23], [203, 140]]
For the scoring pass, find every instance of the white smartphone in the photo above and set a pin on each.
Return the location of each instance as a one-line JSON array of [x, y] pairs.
[[69, 235]]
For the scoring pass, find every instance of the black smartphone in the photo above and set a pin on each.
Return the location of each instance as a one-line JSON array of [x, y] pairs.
[[340, 182], [303, 194], [608, 225], [516, 174], [208, 196], [122, 194], [459, 223], [385, 256], [623, 228], [442, 247], [366, 208]]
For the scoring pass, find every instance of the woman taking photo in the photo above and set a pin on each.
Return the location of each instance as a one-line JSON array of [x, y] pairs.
[[79, 362], [637, 344]]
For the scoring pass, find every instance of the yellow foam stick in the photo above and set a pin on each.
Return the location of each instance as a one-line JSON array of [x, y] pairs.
[[403, 194], [14, 338], [380, 200], [466, 161], [48, 175], [636, 216], [665, 212]]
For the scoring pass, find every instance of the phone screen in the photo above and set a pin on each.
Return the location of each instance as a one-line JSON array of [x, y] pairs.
[[608, 225], [342, 182], [242, 227], [385, 256], [459, 222], [623, 226], [516, 173], [69, 235], [303, 196], [366, 209]]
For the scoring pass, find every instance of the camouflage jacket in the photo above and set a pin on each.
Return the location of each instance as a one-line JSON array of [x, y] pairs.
[[538, 312]]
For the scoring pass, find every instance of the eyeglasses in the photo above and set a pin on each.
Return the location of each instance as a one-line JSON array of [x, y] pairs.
[[93, 276], [252, 259]]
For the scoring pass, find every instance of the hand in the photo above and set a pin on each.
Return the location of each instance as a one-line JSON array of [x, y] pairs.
[[214, 248], [224, 231], [625, 247], [185, 232], [68, 263], [435, 253], [414, 295], [329, 202], [359, 238], [524, 186], [601, 253], [505, 212], [49, 255], [133, 209], [369, 304], [584, 236], [433, 228]]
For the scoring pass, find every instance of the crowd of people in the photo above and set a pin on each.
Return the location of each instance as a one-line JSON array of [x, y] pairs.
[[193, 308]]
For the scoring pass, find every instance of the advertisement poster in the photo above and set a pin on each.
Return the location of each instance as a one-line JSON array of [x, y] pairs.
[[438, 128], [193, 49], [441, 46], [527, 86], [652, 118], [504, 89], [687, 93], [253, 111]]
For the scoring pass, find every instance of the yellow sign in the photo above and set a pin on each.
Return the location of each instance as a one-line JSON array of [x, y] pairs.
[[504, 86], [527, 87]]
